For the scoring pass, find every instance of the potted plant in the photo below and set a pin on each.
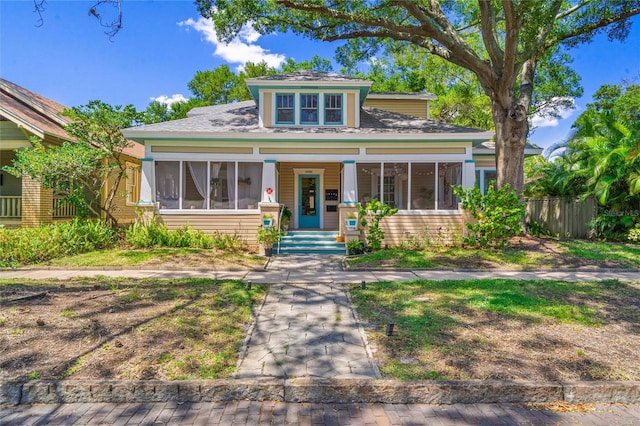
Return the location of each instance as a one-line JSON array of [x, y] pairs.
[[351, 222], [286, 218], [267, 220], [267, 236]]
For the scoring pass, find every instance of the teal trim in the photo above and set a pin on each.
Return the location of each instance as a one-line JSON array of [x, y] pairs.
[[348, 161], [293, 107], [334, 123], [350, 140], [146, 159], [270, 161], [350, 203], [307, 108], [469, 161]]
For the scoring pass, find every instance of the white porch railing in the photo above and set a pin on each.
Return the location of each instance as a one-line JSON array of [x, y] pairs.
[[63, 209], [11, 207]]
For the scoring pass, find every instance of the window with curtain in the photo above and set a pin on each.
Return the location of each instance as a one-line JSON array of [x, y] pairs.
[[249, 185], [168, 184], [222, 194], [194, 181]]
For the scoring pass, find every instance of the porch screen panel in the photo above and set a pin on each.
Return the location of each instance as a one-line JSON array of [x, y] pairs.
[[449, 175], [368, 175], [168, 184], [194, 185], [222, 185], [423, 186], [249, 185], [395, 184]]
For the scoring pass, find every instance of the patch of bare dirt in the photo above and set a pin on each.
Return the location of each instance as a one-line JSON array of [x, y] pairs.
[[89, 329]]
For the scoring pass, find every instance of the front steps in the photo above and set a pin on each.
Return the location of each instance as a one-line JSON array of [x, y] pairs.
[[310, 242]]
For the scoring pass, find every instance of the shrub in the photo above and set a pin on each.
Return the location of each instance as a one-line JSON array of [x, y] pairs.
[[634, 234], [355, 247], [370, 217], [498, 215], [611, 225], [154, 234], [34, 245]]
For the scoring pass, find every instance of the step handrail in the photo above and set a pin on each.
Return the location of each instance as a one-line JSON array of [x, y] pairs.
[[280, 226]]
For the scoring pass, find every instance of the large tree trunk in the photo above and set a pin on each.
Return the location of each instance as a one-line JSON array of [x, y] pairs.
[[512, 129]]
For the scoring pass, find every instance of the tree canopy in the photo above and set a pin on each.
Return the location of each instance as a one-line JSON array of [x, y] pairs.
[[515, 37], [600, 159], [80, 170]]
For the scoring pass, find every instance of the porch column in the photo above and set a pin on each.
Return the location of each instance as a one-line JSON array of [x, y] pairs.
[[37, 203], [269, 189], [469, 174], [349, 183], [146, 183]]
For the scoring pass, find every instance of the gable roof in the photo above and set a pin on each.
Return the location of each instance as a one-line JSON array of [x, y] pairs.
[[41, 116], [38, 115], [239, 119]]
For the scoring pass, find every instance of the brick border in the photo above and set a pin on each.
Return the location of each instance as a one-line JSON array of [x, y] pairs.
[[317, 391]]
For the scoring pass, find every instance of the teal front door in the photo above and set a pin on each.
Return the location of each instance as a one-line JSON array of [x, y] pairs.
[[309, 201]]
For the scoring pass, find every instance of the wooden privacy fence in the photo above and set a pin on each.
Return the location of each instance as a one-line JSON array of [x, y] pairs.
[[562, 216]]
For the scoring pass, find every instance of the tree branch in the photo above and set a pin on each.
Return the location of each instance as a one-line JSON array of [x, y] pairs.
[[488, 25], [585, 29]]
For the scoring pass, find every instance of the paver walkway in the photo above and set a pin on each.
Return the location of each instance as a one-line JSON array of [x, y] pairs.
[[306, 331], [253, 413]]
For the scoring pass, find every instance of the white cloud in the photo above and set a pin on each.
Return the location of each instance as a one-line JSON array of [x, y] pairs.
[[169, 100], [241, 49], [544, 118]]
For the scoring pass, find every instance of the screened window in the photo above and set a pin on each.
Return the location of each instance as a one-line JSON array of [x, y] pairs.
[[285, 107], [449, 175], [333, 109], [208, 185], [308, 109], [410, 186]]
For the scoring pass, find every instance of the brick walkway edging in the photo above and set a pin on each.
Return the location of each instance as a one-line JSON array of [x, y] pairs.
[[317, 391]]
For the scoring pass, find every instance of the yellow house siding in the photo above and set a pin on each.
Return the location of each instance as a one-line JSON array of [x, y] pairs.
[[267, 104], [331, 181], [398, 227], [485, 161], [244, 225], [414, 107], [351, 110]]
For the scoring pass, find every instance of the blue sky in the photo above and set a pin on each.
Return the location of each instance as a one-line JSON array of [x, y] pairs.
[[164, 43]]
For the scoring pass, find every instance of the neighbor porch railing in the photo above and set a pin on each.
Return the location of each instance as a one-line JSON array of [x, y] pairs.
[[11, 207]]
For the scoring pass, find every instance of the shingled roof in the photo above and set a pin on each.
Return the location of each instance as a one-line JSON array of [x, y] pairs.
[[41, 116], [242, 118]]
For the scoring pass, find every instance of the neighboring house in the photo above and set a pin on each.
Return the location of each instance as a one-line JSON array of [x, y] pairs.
[[23, 201], [310, 141]]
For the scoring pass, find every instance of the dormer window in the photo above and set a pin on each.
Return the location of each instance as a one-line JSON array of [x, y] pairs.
[[332, 109], [308, 108], [284, 108]]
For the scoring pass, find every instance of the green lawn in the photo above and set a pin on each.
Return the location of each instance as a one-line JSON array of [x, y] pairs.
[[567, 254], [180, 256], [477, 329]]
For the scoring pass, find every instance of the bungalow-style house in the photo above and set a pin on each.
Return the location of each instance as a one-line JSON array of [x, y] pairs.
[[23, 201], [318, 143]]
